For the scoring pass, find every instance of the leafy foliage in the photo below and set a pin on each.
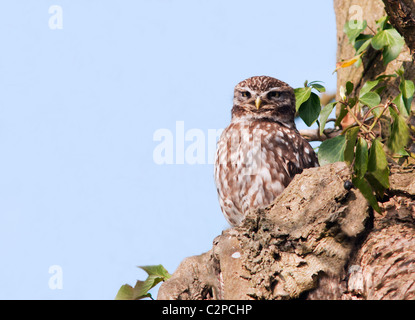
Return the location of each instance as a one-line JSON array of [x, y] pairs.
[[156, 274], [380, 133], [386, 39], [332, 150], [307, 102]]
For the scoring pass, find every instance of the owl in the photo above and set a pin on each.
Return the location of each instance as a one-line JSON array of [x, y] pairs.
[[261, 150]]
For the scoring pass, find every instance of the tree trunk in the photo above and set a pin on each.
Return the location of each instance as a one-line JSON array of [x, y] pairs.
[[319, 240]]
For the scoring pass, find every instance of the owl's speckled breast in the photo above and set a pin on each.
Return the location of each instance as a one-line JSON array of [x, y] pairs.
[[253, 162]]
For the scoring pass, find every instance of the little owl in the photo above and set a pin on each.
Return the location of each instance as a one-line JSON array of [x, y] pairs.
[[261, 150]]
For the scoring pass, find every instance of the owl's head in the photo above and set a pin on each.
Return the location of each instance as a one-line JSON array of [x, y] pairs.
[[264, 98]]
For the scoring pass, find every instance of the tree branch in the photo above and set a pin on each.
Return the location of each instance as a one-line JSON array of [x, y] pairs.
[[313, 134]]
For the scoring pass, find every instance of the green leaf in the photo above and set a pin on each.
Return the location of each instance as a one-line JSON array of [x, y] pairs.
[[352, 102], [367, 87], [367, 192], [353, 28], [351, 137], [324, 114], [399, 136], [407, 89], [378, 165], [382, 23], [359, 62], [156, 270], [156, 274], [375, 184], [310, 109], [402, 153], [379, 90], [342, 93], [332, 150], [139, 291], [400, 72], [141, 288], [318, 87], [385, 76], [391, 42], [349, 87], [310, 84], [362, 42], [342, 114], [126, 292], [400, 104], [301, 96], [370, 99], [362, 155]]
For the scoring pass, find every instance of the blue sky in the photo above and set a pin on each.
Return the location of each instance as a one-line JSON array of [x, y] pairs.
[[79, 107]]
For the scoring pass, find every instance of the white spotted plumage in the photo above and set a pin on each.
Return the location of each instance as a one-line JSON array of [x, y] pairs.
[[259, 153]]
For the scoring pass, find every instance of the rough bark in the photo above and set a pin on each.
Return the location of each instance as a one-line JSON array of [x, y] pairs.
[[316, 241], [402, 15], [383, 265]]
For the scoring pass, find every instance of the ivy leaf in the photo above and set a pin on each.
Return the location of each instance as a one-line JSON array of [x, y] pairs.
[[349, 87], [370, 99], [310, 109], [400, 104], [362, 42], [399, 134], [386, 76], [400, 72], [126, 292], [407, 89], [367, 87], [383, 24], [342, 114], [156, 274], [360, 165], [378, 165], [379, 90], [301, 96], [391, 42], [353, 28], [156, 270], [141, 288], [367, 192], [342, 93], [351, 137], [139, 291], [317, 86], [375, 184], [332, 150], [325, 113]]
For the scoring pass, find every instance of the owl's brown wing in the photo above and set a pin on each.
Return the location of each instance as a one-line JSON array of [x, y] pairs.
[[293, 169], [301, 157]]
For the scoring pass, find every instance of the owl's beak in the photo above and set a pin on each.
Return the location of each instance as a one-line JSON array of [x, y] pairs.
[[258, 103]]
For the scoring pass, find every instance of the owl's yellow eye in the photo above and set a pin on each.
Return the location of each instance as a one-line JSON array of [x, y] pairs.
[[273, 94], [246, 94]]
